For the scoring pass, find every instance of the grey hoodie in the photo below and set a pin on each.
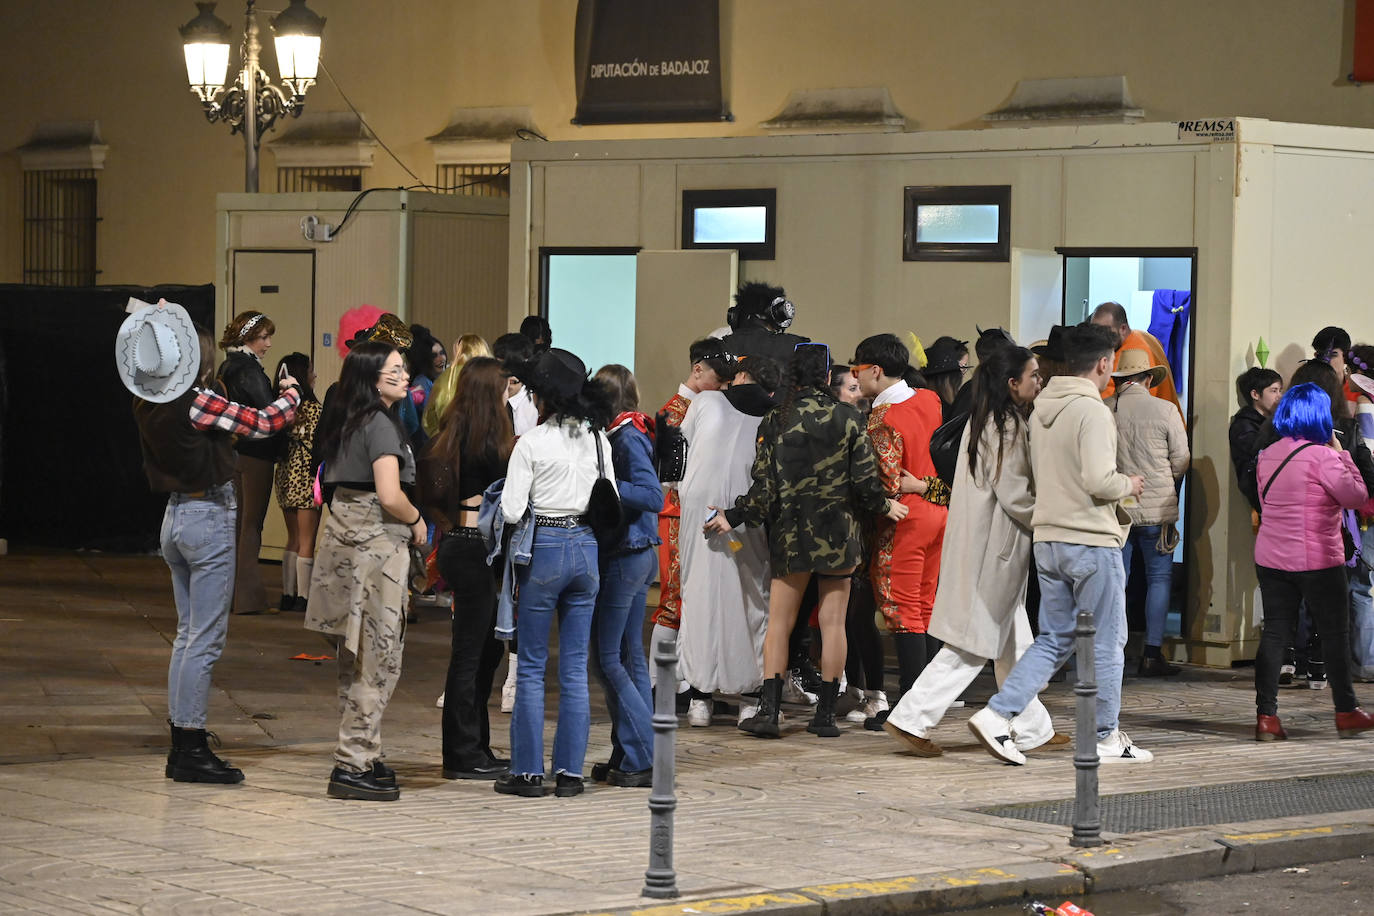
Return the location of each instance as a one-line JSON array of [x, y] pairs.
[[1073, 460]]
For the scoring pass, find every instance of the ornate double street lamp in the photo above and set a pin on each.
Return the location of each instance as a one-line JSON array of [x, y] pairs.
[[252, 104]]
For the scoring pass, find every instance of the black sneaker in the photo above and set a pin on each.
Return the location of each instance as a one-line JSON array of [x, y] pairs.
[[634, 779], [875, 723], [568, 786], [360, 786], [601, 771], [526, 786]]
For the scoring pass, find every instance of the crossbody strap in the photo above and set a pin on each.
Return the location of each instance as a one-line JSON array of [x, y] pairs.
[[600, 462], [1283, 464]]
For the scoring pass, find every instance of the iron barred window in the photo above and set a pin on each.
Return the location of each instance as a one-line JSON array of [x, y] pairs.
[[59, 227], [474, 179], [319, 178]]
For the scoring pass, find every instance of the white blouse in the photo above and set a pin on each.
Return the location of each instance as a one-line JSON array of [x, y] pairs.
[[552, 469]]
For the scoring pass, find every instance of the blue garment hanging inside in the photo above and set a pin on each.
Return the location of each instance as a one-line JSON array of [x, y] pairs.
[[1169, 324]]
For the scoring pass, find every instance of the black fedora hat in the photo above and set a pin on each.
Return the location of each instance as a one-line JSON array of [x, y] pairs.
[[1053, 347]]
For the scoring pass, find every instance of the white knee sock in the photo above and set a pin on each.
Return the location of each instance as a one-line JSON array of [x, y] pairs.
[[304, 567], [288, 572]]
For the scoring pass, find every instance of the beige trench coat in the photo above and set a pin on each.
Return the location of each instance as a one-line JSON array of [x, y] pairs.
[[986, 556]]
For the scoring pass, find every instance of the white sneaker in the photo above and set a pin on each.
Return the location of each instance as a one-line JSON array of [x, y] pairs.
[[994, 733], [1118, 746], [793, 691], [440, 702], [699, 713], [873, 702], [747, 710], [508, 696]]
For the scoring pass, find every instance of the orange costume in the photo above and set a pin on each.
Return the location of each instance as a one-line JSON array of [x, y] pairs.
[[669, 610], [1144, 340], [906, 561]]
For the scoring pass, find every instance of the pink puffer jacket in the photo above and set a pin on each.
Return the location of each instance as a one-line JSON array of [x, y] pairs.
[[1300, 518]]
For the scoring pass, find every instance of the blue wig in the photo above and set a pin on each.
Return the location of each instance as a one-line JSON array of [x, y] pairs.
[[1304, 413]]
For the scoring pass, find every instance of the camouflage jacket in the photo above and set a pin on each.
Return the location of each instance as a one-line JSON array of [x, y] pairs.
[[814, 471]]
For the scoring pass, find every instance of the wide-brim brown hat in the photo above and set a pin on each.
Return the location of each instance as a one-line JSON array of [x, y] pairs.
[[1137, 362], [157, 351]]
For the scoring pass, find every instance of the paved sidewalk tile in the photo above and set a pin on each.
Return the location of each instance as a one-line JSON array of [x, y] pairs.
[[89, 824]]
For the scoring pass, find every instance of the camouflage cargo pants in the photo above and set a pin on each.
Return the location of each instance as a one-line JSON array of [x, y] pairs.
[[366, 682], [358, 598]]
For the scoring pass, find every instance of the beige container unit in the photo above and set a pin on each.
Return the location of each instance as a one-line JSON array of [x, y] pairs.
[[433, 259], [1279, 218]]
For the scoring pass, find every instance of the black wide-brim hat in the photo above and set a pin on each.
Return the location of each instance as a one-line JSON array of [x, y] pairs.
[[1053, 347], [941, 360], [554, 374]]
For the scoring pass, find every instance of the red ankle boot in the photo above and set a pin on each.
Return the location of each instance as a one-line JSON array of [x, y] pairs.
[[1350, 724], [1269, 728]]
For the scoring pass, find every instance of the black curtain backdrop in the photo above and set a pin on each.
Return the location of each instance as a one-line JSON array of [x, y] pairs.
[[71, 474]]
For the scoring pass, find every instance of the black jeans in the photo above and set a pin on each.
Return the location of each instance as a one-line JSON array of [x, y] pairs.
[[1326, 594], [475, 653]]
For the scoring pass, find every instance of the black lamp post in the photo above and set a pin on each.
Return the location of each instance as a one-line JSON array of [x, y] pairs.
[[252, 104]]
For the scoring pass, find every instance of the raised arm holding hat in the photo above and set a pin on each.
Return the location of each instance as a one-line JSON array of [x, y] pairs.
[[186, 434]]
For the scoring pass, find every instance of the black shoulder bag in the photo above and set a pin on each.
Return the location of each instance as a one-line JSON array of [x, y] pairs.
[[944, 447], [604, 513]]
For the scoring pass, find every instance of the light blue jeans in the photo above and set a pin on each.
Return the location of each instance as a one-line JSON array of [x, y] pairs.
[[198, 547], [1073, 577], [561, 580], [1159, 578], [618, 631]]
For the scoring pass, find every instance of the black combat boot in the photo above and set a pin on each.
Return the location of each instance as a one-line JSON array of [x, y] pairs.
[[764, 723], [823, 723], [175, 749], [195, 762]]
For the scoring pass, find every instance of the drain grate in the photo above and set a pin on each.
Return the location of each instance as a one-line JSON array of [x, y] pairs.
[[1195, 806]]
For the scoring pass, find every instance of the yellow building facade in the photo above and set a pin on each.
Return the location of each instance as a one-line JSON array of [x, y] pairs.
[[407, 66]]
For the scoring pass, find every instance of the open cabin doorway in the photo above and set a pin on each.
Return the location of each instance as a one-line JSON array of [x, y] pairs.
[[1156, 287]]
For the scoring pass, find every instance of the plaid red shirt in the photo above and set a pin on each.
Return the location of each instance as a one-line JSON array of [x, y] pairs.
[[212, 411]]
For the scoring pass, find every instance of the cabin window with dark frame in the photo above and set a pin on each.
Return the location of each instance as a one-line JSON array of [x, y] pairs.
[[473, 179], [319, 178], [744, 219], [60, 220], [957, 223]]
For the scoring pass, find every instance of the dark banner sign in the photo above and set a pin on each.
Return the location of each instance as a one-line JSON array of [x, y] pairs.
[[648, 60]]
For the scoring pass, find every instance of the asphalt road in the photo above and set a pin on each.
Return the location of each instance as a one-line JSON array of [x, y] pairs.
[[1345, 887]]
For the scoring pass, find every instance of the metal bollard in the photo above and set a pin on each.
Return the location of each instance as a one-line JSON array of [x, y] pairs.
[[1087, 812], [660, 880]]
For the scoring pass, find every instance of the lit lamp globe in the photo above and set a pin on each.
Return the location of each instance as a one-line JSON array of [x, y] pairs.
[[205, 40], [297, 31]]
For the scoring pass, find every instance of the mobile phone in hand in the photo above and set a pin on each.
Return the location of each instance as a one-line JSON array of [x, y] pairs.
[[282, 372]]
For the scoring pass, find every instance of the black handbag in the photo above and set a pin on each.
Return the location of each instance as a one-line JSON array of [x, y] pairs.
[[604, 513], [670, 450], [944, 447]]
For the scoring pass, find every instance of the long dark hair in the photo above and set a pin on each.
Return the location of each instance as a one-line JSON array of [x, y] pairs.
[[355, 399], [298, 365], [592, 403], [476, 421], [992, 399], [809, 367]]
